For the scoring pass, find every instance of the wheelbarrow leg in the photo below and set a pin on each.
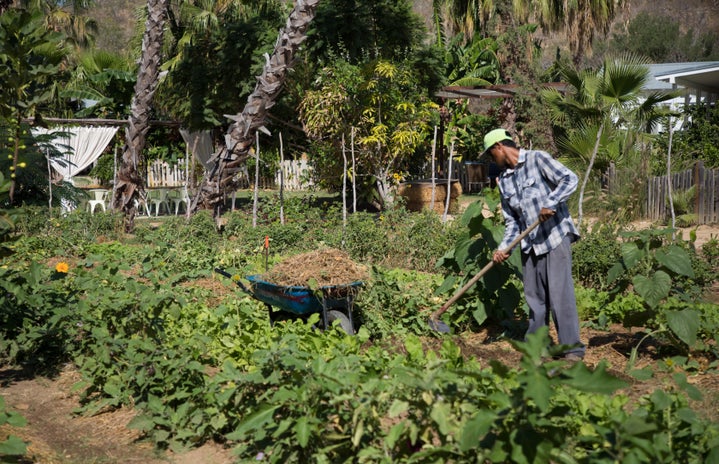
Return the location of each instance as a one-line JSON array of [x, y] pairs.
[[271, 313], [350, 305], [325, 322]]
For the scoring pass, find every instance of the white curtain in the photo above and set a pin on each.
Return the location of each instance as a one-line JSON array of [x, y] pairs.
[[80, 146], [200, 145]]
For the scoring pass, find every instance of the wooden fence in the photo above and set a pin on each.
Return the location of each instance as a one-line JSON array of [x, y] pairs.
[[706, 194], [295, 175], [163, 174]]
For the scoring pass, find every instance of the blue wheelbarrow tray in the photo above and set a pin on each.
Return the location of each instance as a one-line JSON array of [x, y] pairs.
[[299, 300]]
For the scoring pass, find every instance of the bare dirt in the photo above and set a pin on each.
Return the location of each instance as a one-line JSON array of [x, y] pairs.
[[57, 435]]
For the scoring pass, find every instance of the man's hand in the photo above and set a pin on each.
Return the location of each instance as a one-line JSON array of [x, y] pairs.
[[500, 256], [545, 214]]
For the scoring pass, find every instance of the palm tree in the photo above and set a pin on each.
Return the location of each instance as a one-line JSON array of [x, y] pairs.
[[129, 179], [579, 20], [241, 133], [605, 105], [68, 17]]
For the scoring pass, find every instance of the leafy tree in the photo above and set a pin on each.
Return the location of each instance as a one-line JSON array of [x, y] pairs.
[[697, 140], [580, 21], [660, 39], [358, 28], [30, 70], [217, 49], [68, 17], [240, 136], [105, 80], [388, 108]]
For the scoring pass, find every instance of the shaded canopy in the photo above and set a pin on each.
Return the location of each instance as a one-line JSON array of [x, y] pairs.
[[80, 147]]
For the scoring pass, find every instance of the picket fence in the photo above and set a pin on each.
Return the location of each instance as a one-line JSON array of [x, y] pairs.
[[295, 175], [292, 174], [706, 194]]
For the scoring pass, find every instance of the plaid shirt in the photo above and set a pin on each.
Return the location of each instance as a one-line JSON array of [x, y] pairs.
[[537, 181]]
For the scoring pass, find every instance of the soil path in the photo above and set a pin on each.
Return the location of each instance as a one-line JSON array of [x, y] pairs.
[[57, 435]]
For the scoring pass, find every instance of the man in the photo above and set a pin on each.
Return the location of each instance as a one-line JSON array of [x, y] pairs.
[[533, 185]]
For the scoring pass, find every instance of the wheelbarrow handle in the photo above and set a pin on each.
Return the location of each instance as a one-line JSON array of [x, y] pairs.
[[482, 272], [230, 276]]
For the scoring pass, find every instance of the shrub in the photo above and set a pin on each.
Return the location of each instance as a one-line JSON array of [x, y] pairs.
[[594, 254]]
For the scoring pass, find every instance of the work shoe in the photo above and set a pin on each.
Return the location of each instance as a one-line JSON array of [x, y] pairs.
[[572, 358]]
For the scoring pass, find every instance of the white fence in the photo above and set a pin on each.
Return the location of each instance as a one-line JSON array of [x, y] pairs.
[[163, 174], [293, 174]]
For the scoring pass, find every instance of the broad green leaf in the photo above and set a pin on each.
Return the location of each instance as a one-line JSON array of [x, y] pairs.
[[395, 433], [141, 422], [614, 272], [398, 407], [480, 314], [642, 374], [661, 400], [684, 324], [538, 389], [15, 419], [654, 288], [631, 254], [475, 429], [254, 421], [693, 392], [676, 259], [12, 446], [596, 381], [441, 414], [303, 431]]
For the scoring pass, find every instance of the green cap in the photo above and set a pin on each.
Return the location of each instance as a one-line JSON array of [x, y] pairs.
[[494, 136]]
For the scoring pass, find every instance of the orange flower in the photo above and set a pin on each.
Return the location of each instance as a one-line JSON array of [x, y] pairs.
[[62, 267]]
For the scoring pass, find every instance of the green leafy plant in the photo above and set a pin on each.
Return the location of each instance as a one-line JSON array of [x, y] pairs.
[[498, 296], [649, 264], [11, 445]]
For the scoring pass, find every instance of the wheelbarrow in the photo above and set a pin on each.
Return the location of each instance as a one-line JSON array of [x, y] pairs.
[[332, 302]]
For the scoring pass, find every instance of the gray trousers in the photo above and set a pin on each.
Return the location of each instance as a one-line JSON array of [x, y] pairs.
[[549, 289]]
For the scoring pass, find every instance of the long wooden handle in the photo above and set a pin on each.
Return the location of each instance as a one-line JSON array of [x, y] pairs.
[[483, 271]]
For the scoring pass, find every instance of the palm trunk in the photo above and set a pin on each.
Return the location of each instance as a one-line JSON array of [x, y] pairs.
[[586, 175], [130, 178], [240, 136]]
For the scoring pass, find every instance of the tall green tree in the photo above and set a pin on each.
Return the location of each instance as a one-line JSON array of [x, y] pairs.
[[30, 71], [581, 21], [382, 103], [216, 50], [104, 82], [357, 29], [69, 17], [661, 39], [602, 108]]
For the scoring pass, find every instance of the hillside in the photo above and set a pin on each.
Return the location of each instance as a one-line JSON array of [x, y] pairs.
[[117, 18]]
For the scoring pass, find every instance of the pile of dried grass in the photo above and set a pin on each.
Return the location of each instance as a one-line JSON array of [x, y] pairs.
[[328, 267]]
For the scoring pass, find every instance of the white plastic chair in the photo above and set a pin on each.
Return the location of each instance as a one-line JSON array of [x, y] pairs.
[[157, 198], [141, 204], [178, 197], [99, 197]]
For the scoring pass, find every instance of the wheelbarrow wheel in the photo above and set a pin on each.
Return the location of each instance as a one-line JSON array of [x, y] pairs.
[[335, 315]]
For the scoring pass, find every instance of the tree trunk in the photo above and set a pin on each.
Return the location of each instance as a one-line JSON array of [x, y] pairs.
[[130, 178], [240, 136], [587, 174]]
